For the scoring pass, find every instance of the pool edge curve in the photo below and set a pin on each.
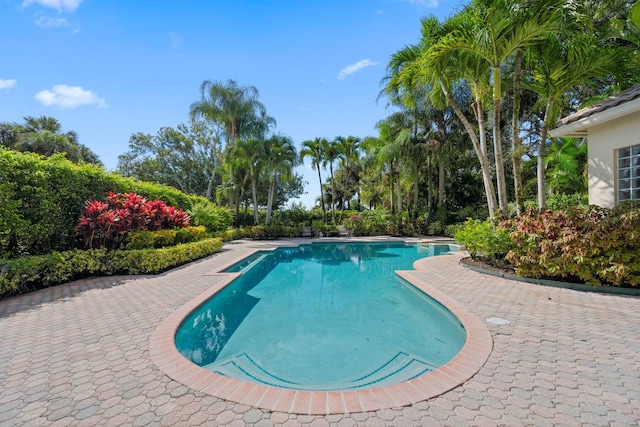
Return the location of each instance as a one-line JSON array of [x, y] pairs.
[[457, 371]]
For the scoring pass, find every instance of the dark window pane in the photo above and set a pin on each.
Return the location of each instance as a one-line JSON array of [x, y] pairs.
[[625, 195], [625, 173], [636, 195], [635, 150], [625, 184], [624, 163], [624, 152]]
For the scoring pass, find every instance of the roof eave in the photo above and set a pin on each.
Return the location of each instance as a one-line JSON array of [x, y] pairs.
[[580, 127]]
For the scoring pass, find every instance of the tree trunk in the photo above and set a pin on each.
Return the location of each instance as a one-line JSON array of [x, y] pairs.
[[441, 162], [497, 146], [398, 192], [542, 194], [324, 209], [254, 195], [516, 143], [415, 190], [482, 157], [333, 195], [272, 186], [210, 187]]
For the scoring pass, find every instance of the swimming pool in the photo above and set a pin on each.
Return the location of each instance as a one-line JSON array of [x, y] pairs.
[[322, 317]]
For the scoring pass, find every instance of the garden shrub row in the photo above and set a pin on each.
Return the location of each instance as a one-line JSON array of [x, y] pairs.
[[163, 238], [592, 245], [41, 200], [595, 245], [35, 272]]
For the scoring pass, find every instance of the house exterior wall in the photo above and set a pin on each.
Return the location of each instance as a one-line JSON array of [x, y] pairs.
[[604, 140]]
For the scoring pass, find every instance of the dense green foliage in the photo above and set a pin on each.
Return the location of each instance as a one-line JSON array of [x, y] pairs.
[[214, 218], [43, 135], [163, 238], [482, 240], [595, 245], [41, 200], [34, 272]]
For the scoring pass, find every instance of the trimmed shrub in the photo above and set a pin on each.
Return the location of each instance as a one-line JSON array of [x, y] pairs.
[[483, 241], [214, 218], [595, 245], [35, 272], [41, 200], [164, 238]]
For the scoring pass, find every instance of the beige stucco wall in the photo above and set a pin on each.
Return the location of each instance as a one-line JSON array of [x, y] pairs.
[[603, 140]]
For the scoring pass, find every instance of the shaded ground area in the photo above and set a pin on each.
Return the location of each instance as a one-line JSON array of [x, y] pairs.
[[77, 354]]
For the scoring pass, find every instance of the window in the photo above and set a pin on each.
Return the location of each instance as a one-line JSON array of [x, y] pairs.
[[629, 173]]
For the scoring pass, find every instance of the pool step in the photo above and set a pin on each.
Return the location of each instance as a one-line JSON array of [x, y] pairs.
[[253, 263], [401, 367]]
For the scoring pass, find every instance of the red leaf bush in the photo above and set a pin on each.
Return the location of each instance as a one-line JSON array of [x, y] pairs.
[[595, 245], [104, 224]]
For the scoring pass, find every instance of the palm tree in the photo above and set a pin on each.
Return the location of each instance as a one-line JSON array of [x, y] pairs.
[[556, 67], [313, 149], [43, 135], [235, 108], [496, 30], [348, 154], [441, 67], [331, 154], [248, 150], [278, 157]]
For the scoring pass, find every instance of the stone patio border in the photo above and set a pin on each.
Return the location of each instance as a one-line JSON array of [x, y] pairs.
[[461, 368]]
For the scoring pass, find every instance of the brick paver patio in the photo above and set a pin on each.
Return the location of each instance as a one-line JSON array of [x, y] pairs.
[[78, 354]]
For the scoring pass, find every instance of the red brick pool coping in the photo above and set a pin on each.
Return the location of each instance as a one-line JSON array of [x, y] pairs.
[[461, 368]]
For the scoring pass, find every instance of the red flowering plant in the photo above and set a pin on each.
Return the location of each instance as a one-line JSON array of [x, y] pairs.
[[106, 223]]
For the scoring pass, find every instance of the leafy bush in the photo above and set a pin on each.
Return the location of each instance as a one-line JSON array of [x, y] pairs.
[[214, 218], [41, 200], [596, 245], [164, 238], [481, 240], [566, 201], [106, 224], [34, 272]]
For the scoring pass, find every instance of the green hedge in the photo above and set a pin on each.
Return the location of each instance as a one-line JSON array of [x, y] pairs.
[[164, 238], [34, 272], [41, 200]]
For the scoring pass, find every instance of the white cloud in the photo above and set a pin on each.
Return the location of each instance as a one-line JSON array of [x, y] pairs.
[[48, 22], [64, 96], [59, 5], [347, 71], [7, 84]]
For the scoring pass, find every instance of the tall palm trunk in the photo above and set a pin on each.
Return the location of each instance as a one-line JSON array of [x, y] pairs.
[[497, 145], [333, 195], [542, 194], [516, 143], [272, 188], [254, 195], [482, 157], [324, 209]]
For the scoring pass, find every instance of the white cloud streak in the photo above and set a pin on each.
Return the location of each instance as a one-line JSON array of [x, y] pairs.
[[64, 96], [48, 22], [7, 83], [350, 69], [59, 5]]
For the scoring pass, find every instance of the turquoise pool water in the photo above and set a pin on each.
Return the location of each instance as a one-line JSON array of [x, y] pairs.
[[323, 317]]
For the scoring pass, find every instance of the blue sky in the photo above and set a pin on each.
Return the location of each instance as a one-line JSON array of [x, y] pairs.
[[107, 69]]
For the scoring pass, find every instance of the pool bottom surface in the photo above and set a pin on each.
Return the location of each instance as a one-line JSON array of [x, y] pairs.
[[331, 319]]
